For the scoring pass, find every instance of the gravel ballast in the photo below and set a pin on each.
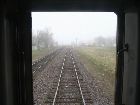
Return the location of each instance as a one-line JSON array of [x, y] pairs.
[[42, 82]]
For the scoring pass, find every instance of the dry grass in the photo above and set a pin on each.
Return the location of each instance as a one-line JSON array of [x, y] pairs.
[[101, 63], [36, 54]]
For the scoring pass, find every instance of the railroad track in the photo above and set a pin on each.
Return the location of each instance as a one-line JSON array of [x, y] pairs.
[[41, 63], [69, 89]]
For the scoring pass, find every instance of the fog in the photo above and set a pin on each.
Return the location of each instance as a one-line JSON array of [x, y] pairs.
[[75, 27]]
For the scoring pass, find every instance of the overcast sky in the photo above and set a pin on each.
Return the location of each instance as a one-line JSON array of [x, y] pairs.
[[68, 27]]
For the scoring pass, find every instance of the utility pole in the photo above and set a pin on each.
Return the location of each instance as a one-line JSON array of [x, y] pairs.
[[76, 41]]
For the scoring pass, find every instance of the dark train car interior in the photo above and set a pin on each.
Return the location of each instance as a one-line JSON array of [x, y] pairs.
[[16, 46]]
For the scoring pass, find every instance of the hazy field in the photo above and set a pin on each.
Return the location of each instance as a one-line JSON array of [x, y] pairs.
[[39, 53], [100, 62]]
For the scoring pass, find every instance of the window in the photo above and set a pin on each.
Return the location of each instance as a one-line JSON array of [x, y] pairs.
[[74, 57]]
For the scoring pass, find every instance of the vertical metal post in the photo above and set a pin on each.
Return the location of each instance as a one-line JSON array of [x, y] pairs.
[[131, 57], [2, 79], [138, 71], [25, 57], [120, 57], [8, 60]]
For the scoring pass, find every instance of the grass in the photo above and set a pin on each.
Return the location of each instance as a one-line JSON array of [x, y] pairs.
[[100, 62], [36, 54]]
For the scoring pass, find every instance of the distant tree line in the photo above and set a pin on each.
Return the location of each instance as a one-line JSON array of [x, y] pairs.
[[43, 39], [105, 41], [101, 42]]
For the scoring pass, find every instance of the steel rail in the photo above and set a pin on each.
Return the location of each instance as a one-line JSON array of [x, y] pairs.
[[58, 82], [77, 77], [79, 84]]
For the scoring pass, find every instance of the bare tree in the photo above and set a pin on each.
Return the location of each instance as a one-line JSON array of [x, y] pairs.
[[44, 39], [34, 40]]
